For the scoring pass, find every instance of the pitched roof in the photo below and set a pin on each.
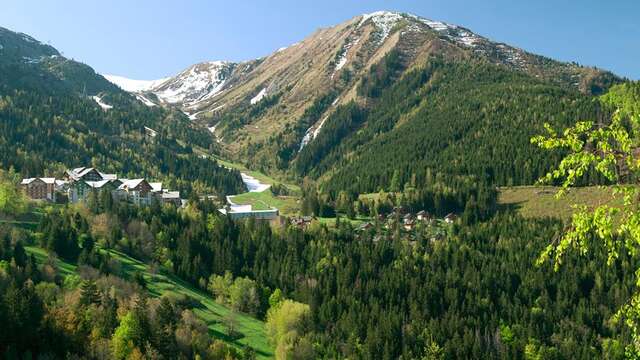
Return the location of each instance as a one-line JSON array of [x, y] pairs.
[[44, 180], [108, 176], [171, 195], [79, 172], [156, 186], [97, 184], [130, 183]]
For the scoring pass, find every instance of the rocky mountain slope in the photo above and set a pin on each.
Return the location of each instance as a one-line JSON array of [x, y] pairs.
[[333, 60]]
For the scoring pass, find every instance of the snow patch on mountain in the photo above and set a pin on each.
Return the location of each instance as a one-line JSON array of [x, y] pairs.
[[197, 83], [131, 85], [256, 99], [102, 104], [342, 59], [253, 184], [384, 21], [145, 101], [311, 133]]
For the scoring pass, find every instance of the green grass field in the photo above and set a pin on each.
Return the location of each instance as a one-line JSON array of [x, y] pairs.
[[163, 283], [540, 201], [288, 205]]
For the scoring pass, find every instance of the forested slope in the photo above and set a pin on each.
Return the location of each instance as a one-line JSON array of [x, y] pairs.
[[50, 121]]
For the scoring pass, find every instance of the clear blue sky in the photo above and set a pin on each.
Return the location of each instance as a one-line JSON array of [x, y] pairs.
[[145, 39]]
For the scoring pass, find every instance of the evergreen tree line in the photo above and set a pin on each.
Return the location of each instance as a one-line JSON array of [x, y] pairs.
[[475, 293]]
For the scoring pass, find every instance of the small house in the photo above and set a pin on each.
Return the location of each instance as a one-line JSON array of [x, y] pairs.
[[450, 218], [423, 216], [171, 197], [409, 225]]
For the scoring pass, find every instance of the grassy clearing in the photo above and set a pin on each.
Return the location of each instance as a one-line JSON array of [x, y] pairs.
[[331, 222], [212, 313], [288, 205], [41, 256], [540, 201]]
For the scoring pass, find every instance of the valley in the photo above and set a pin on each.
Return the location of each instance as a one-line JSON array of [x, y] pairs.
[[383, 188]]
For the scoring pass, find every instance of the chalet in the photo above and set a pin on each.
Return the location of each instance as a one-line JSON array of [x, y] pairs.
[[450, 218], [40, 188], [409, 224], [171, 197], [423, 216], [408, 218], [138, 191]]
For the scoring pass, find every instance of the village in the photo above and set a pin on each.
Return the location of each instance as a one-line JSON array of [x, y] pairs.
[[77, 185], [398, 218]]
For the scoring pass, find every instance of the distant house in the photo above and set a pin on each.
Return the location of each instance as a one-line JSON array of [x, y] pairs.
[[40, 188], [401, 210], [409, 224], [302, 221], [171, 197], [423, 216], [150, 132], [408, 218], [138, 191], [450, 218]]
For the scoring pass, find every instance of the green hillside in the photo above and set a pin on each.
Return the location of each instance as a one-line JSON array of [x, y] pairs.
[[164, 284], [50, 122]]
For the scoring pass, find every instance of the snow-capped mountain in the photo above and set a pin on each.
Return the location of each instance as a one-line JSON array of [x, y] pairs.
[[333, 60], [196, 83]]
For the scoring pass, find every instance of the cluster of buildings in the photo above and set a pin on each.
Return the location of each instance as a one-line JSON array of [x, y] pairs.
[[77, 184], [407, 219]]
